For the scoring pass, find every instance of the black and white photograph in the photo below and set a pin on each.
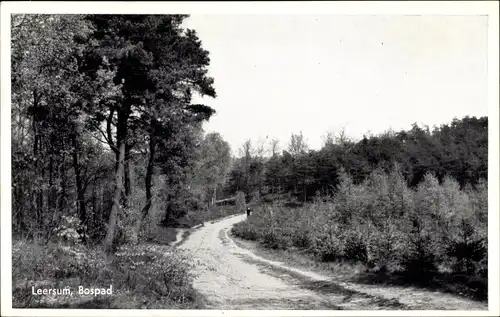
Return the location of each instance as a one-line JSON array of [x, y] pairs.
[[179, 161]]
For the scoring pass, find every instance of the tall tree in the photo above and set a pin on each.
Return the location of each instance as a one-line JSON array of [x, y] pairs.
[[274, 147], [158, 65], [45, 106], [213, 164], [297, 145]]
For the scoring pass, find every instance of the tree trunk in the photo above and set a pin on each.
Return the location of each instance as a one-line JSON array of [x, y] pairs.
[[113, 217], [61, 205], [80, 192], [127, 184], [149, 183], [214, 196], [36, 200], [94, 207], [121, 140], [54, 184], [101, 200], [128, 189]]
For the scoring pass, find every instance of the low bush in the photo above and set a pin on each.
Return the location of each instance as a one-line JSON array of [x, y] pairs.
[[301, 238], [328, 247], [155, 274], [436, 228], [150, 271], [246, 231], [355, 248], [274, 239]]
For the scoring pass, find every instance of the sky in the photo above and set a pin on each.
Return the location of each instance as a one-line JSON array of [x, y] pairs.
[[281, 74]]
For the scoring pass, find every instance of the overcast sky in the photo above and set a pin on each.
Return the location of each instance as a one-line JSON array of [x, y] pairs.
[[282, 74]]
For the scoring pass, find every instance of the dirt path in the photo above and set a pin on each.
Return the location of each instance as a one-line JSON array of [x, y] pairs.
[[235, 278]]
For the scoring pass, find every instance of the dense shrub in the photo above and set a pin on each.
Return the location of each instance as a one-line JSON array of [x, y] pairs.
[[157, 273], [301, 238], [355, 248], [149, 270], [386, 225], [467, 249], [246, 231], [328, 247], [384, 246], [54, 264], [274, 239], [419, 256]]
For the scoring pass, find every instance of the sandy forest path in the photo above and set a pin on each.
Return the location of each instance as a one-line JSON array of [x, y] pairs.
[[231, 277]]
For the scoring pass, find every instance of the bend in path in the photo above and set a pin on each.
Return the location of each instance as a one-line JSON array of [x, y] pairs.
[[231, 277]]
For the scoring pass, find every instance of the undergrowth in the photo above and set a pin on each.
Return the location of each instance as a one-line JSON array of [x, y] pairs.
[[434, 235], [141, 276]]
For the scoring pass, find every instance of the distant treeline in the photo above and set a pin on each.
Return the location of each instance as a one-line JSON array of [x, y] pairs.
[[458, 149]]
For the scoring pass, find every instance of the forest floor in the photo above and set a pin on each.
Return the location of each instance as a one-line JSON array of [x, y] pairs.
[[235, 274]]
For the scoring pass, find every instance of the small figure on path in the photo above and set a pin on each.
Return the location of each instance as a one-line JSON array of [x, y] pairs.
[[249, 211]]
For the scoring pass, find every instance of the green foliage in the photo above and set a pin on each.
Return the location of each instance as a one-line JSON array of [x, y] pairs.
[[245, 230], [467, 247], [328, 246], [85, 84], [385, 225], [70, 230], [93, 95], [212, 166], [275, 240], [155, 273], [148, 270], [55, 264], [457, 149], [247, 172], [241, 205], [355, 248], [420, 253]]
